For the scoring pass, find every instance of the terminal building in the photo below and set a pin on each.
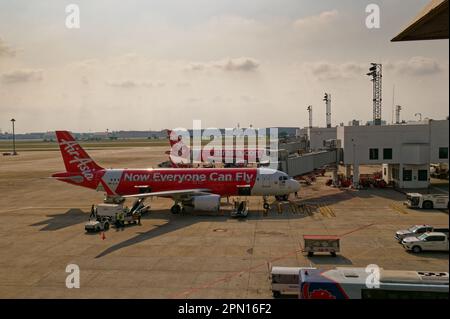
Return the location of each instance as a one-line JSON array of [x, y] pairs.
[[404, 151]]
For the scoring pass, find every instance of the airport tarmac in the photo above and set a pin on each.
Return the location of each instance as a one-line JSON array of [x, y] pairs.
[[184, 256]]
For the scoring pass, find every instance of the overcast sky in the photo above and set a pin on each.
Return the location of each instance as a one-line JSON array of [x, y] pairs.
[[160, 64]]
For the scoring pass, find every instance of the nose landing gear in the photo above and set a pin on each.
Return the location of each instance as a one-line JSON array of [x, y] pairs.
[[175, 209], [266, 205]]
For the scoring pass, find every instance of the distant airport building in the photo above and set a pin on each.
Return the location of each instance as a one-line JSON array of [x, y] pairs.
[[404, 151]]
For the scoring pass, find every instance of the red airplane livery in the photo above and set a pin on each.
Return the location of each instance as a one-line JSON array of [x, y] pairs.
[[198, 188], [180, 153]]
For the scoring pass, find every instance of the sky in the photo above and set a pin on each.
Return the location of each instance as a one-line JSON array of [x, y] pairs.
[[150, 65]]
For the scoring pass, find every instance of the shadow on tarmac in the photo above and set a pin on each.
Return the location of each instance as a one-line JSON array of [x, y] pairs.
[[58, 221]]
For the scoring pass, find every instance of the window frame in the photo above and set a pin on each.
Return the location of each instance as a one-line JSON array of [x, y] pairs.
[[419, 176], [410, 174], [391, 152], [376, 152], [442, 149]]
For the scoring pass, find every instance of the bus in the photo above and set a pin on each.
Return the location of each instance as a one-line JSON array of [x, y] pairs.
[[350, 283]]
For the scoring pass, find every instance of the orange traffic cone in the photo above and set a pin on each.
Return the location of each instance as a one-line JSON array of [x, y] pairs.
[[103, 236]]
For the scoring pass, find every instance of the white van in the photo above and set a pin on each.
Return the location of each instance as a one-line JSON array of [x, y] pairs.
[[285, 280]]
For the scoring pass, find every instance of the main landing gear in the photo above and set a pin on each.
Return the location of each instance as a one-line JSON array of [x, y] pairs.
[[176, 209], [282, 198]]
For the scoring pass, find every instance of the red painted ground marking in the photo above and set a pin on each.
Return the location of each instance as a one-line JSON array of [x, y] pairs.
[[226, 278], [355, 230]]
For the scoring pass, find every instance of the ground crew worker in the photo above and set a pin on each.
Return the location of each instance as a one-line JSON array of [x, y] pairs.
[[117, 221], [92, 212], [121, 220]]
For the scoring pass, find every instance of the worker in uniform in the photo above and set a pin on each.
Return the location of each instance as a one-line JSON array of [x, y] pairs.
[[121, 220], [117, 221], [92, 212]]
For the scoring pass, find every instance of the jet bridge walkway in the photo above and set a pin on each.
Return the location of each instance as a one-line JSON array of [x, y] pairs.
[[307, 163]]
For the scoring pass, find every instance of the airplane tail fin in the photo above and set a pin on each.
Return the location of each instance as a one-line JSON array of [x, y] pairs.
[[75, 158], [173, 138], [179, 153]]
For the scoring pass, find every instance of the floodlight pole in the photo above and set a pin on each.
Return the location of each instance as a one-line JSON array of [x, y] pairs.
[[14, 137]]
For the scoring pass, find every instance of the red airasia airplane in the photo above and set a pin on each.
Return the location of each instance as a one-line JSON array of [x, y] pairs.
[[180, 153], [198, 188]]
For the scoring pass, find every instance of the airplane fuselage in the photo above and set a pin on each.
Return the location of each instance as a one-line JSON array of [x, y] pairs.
[[221, 181]]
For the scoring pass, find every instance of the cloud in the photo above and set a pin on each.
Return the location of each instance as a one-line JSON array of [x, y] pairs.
[[238, 64], [21, 76], [242, 64], [129, 84], [6, 50], [416, 66], [317, 20], [332, 71]]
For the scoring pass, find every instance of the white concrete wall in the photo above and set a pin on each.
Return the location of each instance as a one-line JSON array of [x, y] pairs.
[[357, 140], [399, 182], [317, 136], [439, 131]]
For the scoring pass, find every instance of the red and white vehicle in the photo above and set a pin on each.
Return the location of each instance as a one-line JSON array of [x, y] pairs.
[[198, 188], [180, 153], [356, 283]]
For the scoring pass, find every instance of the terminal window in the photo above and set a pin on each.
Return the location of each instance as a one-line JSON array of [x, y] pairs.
[[373, 153], [443, 152], [407, 175], [422, 175], [387, 153]]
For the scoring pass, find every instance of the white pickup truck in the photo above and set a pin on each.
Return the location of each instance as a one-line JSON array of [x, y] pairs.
[[417, 230], [426, 242]]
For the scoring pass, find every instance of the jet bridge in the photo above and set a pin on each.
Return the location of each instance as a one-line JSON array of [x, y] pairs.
[[303, 164]]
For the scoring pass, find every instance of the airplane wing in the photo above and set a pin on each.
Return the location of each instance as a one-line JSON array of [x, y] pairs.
[[174, 193]]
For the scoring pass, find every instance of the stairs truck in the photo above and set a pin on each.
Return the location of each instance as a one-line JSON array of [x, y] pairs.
[[426, 201]]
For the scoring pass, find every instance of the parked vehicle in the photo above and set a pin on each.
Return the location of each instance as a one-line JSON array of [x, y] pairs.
[[439, 170], [106, 214], [426, 201], [426, 242], [321, 244], [417, 230], [96, 225], [351, 283], [285, 280]]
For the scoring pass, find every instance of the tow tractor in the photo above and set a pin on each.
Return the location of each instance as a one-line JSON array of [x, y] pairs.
[[106, 215], [426, 201]]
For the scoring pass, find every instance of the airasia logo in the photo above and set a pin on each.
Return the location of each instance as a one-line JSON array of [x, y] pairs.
[[316, 293], [71, 147], [321, 294]]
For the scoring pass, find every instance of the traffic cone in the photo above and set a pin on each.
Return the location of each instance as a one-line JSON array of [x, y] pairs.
[[103, 236]]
